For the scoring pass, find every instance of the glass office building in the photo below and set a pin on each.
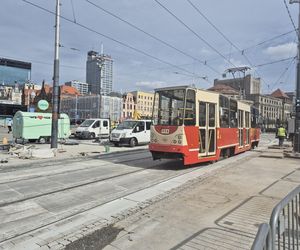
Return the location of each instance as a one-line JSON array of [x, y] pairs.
[[12, 71]]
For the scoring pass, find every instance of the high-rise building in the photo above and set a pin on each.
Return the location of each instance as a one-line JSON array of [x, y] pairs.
[[12, 71], [99, 73]]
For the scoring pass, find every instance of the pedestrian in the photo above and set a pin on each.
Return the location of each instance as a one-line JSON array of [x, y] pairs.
[[281, 134], [9, 124]]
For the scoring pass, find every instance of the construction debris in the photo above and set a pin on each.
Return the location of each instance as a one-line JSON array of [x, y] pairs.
[[28, 152]]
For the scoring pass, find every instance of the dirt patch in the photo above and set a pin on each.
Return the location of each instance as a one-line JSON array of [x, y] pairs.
[[96, 240]]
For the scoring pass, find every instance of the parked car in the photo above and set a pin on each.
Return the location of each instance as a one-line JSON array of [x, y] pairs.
[[92, 128], [132, 132]]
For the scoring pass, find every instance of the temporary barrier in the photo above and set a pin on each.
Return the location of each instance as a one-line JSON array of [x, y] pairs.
[[262, 240], [284, 222], [283, 232]]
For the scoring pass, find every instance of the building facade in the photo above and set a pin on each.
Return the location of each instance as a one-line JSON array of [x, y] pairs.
[[245, 86], [29, 92], [82, 87], [225, 90], [10, 94], [272, 110], [287, 103], [13, 71], [99, 73], [143, 103], [129, 106], [92, 106]]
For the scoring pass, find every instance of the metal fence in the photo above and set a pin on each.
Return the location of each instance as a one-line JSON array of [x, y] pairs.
[[263, 239], [283, 231]]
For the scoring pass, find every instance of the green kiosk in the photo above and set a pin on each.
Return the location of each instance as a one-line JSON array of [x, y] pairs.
[[37, 126]]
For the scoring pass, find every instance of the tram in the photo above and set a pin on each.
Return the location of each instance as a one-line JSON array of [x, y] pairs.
[[200, 126]]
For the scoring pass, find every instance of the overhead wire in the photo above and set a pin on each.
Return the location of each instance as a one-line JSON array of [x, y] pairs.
[[73, 10], [108, 37], [268, 40], [277, 61], [290, 16], [286, 68], [257, 44], [284, 72], [224, 36], [151, 35], [194, 32]]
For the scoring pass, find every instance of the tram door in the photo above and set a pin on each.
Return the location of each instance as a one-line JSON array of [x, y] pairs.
[[241, 126], [207, 128]]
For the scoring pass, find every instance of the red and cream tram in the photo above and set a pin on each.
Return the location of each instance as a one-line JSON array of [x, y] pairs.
[[199, 126]]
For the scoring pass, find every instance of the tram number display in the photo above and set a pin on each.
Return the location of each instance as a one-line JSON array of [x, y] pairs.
[[165, 131]]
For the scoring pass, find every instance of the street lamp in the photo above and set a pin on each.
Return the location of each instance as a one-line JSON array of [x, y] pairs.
[[297, 108]]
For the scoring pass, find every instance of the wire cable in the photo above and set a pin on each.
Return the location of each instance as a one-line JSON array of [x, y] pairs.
[[213, 25], [284, 72], [109, 38], [73, 10], [269, 40], [150, 35], [194, 32], [226, 38], [292, 21], [277, 61]]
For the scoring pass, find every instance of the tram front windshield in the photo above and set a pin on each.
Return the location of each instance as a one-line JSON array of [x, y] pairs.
[[169, 107]]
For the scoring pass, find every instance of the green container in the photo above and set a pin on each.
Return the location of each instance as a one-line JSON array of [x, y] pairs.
[[34, 126], [107, 148]]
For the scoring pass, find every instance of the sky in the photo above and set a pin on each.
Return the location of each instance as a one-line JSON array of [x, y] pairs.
[[159, 42]]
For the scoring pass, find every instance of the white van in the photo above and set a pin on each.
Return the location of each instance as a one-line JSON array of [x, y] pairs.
[[92, 128], [131, 132]]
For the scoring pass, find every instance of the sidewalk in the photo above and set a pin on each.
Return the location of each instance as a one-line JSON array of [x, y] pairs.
[[222, 211], [42, 152]]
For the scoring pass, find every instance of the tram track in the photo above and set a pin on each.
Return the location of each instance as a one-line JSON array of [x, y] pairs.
[[94, 206], [74, 186], [35, 176], [46, 163], [60, 218]]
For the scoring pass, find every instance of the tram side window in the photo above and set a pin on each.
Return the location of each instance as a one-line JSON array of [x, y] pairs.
[[190, 111], [202, 114], [254, 117], [241, 119], [233, 113], [224, 112], [212, 115], [247, 118]]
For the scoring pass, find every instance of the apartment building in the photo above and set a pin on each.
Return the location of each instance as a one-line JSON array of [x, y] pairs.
[[144, 103]]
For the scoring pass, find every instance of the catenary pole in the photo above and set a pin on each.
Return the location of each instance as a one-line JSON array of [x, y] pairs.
[[297, 118], [55, 92]]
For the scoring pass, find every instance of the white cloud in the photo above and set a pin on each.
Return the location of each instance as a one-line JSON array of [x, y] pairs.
[[205, 52], [282, 50]]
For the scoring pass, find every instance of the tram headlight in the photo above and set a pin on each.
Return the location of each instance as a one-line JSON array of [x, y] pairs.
[[153, 138]]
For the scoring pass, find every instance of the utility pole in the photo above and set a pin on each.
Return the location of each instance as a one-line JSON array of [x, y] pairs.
[[55, 91], [297, 108]]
